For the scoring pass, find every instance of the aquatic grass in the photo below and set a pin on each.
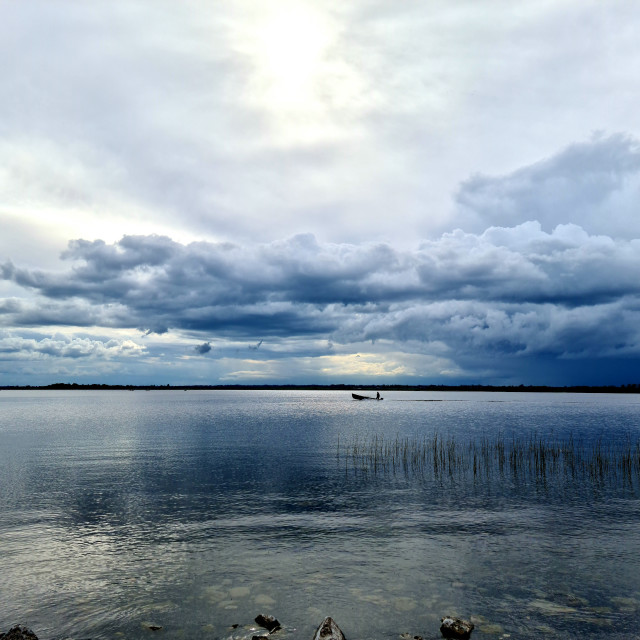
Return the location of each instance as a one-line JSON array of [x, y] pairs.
[[521, 457]]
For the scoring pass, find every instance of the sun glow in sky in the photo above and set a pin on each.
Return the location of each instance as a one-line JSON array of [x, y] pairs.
[[290, 48], [299, 77], [266, 191]]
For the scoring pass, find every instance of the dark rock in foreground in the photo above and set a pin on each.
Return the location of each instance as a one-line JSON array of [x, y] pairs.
[[18, 633], [456, 628], [328, 630], [270, 623]]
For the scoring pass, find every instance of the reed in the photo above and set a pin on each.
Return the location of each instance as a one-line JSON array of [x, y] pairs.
[[519, 457]]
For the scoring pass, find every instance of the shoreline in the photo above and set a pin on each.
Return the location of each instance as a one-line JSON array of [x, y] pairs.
[[66, 386]]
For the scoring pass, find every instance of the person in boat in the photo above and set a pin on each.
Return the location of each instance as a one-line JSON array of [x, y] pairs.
[[378, 395]]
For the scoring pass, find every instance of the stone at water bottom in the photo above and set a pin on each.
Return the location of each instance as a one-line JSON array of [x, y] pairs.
[[545, 607], [328, 630], [492, 628], [404, 604], [19, 632], [456, 628]]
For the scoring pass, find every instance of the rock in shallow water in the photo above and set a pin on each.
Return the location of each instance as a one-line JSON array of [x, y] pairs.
[[268, 622], [18, 633], [456, 628], [328, 630]]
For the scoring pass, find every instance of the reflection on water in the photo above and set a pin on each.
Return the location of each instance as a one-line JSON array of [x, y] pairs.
[[196, 511]]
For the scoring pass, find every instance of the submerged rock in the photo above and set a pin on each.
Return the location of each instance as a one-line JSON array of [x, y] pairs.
[[547, 608], [270, 623], [456, 628], [239, 592], [19, 632], [328, 630]]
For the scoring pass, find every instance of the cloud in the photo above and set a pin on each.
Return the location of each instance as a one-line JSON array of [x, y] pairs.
[[202, 349], [18, 347], [157, 329], [594, 184], [216, 285], [106, 128], [331, 173], [507, 293]]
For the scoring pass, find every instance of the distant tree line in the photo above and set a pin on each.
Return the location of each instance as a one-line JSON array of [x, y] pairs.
[[625, 388]]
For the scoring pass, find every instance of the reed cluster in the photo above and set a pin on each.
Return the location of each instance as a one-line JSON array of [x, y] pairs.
[[522, 457]]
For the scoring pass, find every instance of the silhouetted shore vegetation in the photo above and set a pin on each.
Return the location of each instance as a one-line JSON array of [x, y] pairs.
[[625, 388]]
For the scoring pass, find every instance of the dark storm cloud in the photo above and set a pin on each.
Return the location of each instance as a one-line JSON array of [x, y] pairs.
[[513, 291], [602, 330]]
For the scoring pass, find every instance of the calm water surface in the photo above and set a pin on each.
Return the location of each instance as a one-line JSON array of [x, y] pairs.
[[196, 511]]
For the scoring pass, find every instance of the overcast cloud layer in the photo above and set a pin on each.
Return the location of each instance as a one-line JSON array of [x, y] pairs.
[[361, 192]]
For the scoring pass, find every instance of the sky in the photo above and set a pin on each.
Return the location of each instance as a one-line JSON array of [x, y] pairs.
[[362, 192]]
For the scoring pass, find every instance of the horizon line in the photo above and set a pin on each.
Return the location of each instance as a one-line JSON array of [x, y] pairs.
[[624, 388]]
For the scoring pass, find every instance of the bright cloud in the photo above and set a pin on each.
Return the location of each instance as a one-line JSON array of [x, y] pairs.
[[17, 347], [265, 191], [594, 184]]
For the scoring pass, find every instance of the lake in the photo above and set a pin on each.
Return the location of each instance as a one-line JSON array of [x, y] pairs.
[[196, 511]]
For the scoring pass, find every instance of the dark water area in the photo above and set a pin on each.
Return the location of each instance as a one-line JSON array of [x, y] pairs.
[[195, 511]]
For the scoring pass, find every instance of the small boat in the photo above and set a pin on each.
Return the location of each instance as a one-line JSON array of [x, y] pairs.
[[355, 396]]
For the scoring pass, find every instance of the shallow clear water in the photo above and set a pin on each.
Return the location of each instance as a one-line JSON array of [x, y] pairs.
[[198, 510]]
